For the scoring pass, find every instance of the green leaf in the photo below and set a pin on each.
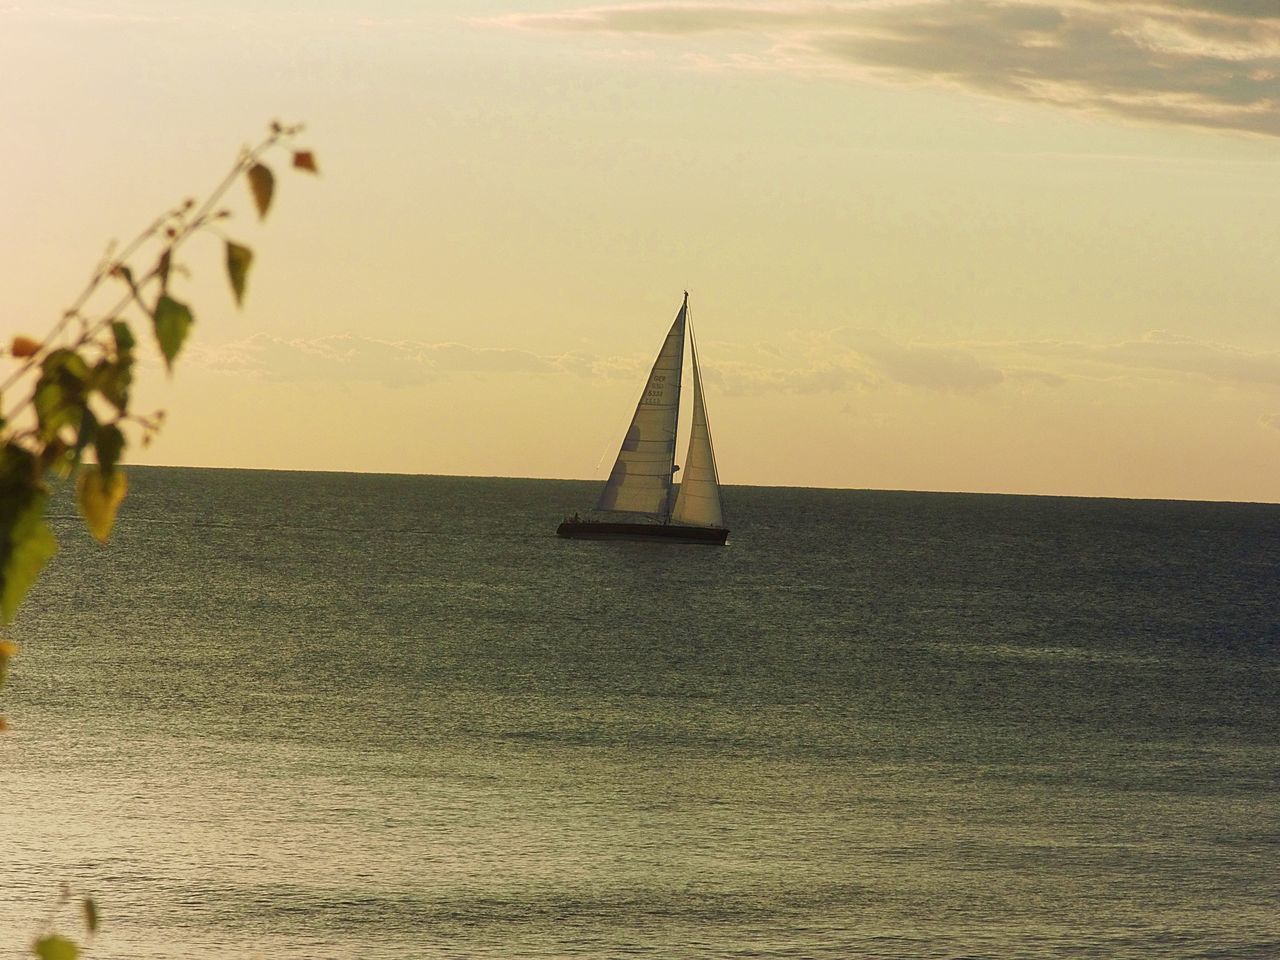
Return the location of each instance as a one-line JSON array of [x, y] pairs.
[[262, 183], [112, 380], [88, 430], [58, 457], [90, 910], [51, 407], [67, 363], [108, 444], [239, 259], [26, 543], [123, 337], [64, 365], [59, 393], [55, 947], [163, 266], [99, 494], [173, 321]]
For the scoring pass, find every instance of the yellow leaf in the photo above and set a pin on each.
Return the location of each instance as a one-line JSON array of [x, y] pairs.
[[54, 947], [100, 495], [8, 648]]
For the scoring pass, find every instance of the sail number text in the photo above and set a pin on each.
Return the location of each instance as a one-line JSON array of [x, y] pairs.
[[653, 393]]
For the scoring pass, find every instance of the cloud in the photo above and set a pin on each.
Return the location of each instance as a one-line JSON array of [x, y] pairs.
[[1262, 9], [401, 363], [1159, 350], [1044, 378], [935, 367], [821, 375], [1201, 63], [846, 360], [346, 357], [855, 358], [357, 359], [584, 364]]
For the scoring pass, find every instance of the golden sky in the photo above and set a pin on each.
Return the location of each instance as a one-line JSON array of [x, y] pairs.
[[1028, 246]]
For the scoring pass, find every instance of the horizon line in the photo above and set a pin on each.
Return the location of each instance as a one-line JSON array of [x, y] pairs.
[[761, 486]]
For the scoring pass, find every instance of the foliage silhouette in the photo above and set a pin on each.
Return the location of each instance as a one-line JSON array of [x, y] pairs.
[[73, 391]]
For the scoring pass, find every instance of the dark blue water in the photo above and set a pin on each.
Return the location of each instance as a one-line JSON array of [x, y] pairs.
[[327, 715]]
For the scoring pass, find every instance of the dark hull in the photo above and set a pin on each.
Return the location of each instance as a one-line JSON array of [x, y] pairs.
[[668, 532]]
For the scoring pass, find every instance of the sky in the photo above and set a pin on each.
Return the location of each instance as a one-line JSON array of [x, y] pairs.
[[1027, 246]]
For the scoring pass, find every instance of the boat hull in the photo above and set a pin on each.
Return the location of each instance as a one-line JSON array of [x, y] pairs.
[[665, 532]]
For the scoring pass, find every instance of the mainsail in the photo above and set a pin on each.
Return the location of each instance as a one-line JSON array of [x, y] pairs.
[[698, 502], [641, 478]]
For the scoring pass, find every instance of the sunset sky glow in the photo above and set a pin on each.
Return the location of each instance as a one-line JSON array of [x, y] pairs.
[[1030, 246]]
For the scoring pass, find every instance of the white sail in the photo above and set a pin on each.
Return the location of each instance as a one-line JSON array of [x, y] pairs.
[[698, 502], [641, 478]]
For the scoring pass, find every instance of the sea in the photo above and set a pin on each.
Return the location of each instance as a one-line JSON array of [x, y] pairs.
[[325, 715]]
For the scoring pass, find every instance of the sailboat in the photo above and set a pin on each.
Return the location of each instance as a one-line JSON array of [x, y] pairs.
[[636, 503]]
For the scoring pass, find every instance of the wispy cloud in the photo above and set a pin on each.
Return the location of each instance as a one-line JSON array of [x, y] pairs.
[[1169, 353], [933, 366], [858, 358], [805, 377], [973, 365], [1203, 63], [847, 360], [357, 359]]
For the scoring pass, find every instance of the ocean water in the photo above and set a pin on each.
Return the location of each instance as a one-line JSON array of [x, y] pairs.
[[297, 715]]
